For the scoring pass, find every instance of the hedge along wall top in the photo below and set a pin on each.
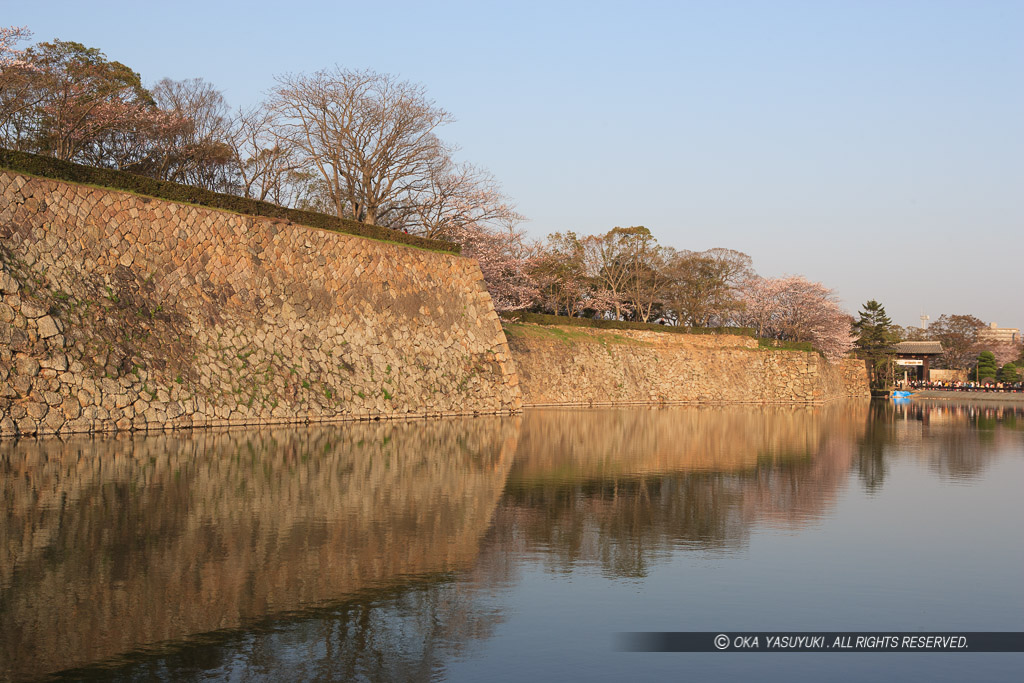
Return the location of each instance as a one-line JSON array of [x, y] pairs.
[[48, 167], [543, 319]]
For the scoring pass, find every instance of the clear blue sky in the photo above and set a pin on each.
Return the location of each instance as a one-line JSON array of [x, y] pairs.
[[875, 146]]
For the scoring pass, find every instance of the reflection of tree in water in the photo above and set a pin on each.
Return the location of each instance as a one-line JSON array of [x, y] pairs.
[[879, 433], [393, 635], [622, 489], [958, 438]]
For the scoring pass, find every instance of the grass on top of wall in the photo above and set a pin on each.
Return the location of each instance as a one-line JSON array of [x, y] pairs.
[[565, 321], [519, 330], [55, 169], [786, 345]]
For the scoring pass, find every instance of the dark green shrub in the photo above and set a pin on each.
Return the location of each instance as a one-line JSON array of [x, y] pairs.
[[1009, 373]]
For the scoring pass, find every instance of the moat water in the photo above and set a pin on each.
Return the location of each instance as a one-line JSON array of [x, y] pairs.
[[515, 548]]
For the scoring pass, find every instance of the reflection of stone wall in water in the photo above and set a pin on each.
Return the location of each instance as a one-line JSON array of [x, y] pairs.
[[112, 544], [125, 312], [623, 487], [601, 442], [583, 366]]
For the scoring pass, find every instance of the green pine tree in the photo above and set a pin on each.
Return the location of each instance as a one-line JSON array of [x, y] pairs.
[[987, 367], [876, 336], [1009, 373]]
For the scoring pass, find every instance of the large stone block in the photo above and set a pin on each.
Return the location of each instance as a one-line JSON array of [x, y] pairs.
[[8, 285]]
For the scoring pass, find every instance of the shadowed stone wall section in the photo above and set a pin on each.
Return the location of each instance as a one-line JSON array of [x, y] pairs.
[[122, 312], [581, 366]]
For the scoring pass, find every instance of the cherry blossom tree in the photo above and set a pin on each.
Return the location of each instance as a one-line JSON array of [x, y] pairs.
[[9, 37], [1004, 352], [61, 98], [560, 275], [506, 261], [793, 308], [82, 96], [16, 95]]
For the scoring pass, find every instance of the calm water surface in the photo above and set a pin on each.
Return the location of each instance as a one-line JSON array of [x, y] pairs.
[[515, 548]]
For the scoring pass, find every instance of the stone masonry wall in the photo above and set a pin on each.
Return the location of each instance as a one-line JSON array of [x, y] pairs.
[[122, 312], [581, 366]]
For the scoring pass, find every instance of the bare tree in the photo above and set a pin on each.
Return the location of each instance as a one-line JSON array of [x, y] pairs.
[[454, 197], [369, 135], [196, 153], [647, 284], [608, 262], [264, 163]]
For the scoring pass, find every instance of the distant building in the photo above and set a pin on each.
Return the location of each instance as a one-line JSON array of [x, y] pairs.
[[998, 335], [914, 358]]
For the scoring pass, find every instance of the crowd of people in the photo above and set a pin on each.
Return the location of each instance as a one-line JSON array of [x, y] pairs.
[[945, 385]]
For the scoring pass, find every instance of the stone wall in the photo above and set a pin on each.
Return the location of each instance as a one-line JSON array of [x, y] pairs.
[[940, 375], [122, 312], [583, 366]]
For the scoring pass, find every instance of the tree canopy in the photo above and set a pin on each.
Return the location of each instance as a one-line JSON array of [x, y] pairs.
[[986, 367], [1009, 373], [959, 337]]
